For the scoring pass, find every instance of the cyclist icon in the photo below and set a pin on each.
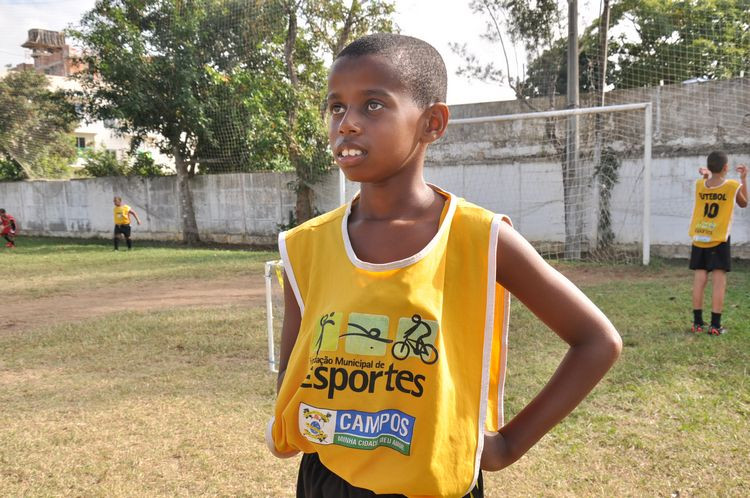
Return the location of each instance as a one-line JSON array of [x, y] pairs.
[[426, 351]]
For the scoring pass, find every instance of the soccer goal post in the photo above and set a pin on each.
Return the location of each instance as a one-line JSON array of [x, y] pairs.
[[582, 197], [274, 277]]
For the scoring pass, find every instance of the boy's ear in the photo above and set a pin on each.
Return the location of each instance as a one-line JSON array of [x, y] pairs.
[[437, 116]]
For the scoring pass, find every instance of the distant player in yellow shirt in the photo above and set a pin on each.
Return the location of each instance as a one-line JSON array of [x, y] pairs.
[[396, 304], [715, 197], [122, 213]]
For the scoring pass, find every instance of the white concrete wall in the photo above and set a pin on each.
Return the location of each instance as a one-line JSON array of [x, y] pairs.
[[249, 207], [234, 208], [500, 166]]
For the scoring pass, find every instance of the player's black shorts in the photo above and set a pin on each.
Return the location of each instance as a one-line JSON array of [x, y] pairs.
[[316, 481], [711, 258], [122, 229]]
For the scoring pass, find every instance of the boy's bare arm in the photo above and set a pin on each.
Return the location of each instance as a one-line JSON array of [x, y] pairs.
[[135, 215], [742, 194], [594, 346], [289, 329]]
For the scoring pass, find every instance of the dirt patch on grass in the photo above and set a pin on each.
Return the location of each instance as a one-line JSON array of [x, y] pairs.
[[24, 313]]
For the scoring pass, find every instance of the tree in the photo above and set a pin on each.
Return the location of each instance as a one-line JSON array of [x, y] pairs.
[[35, 132], [532, 26], [162, 67]]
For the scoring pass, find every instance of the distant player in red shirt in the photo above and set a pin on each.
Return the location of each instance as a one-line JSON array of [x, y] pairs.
[[9, 228]]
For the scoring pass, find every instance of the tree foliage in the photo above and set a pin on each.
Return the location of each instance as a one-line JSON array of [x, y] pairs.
[[655, 41], [678, 40], [35, 132], [534, 27], [101, 162]]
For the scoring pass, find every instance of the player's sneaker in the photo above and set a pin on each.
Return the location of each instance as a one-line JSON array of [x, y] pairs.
[[697, 328], [716, 330], [10, 244]]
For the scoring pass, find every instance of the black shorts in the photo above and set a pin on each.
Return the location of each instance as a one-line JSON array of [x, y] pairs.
[[316, 481], [122, 229], [711, 258]]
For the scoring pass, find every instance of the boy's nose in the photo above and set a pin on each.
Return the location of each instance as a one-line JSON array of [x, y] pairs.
[[349, 124]]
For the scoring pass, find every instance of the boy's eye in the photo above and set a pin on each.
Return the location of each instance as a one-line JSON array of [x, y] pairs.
[[336, 109], [374, 106]]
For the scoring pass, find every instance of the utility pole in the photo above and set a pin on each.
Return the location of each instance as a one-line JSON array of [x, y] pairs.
[[572, 181]]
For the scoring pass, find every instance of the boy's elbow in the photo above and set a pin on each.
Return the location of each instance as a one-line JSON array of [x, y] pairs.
[[610, 345], [616, 346]]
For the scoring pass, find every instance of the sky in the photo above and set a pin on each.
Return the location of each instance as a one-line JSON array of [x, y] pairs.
[[438, 22]]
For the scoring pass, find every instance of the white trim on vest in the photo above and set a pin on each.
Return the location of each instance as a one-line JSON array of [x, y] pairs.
[[504, 350], [290, 271], [489, 325]]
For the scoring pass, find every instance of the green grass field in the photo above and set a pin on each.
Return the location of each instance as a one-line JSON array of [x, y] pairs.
[[173, 402]]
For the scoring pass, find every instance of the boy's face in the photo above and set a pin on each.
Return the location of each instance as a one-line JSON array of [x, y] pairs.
[[117, 201], [375, 127]]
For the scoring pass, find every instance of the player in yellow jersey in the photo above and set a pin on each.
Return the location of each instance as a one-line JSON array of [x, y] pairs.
[[396, 306], [122, 213], [715, 197]]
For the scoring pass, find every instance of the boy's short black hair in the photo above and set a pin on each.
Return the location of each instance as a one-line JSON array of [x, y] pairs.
[[2, 211], [421, 67], [716, 161]]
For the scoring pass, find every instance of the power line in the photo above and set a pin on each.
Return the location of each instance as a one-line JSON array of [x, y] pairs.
[[31, 3]]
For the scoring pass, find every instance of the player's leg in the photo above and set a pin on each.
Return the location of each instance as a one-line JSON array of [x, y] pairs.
[[699, 286], [719, 264], [718, 289], [117, 238], [7, 234], [126, 233], [698, 265]]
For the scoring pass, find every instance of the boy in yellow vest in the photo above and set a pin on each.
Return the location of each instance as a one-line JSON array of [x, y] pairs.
[[715, 197], [396, 306], [122, 213]]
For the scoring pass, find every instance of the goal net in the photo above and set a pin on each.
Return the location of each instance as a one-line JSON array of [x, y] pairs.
[[574, 182]]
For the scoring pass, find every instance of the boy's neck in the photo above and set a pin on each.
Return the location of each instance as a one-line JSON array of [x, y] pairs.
[[395, 198], [716, 179]]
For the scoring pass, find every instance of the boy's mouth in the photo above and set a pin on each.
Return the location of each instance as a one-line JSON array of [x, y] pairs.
[[348, 155]]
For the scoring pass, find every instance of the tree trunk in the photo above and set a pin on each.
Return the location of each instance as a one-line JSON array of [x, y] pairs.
[[187, 211]]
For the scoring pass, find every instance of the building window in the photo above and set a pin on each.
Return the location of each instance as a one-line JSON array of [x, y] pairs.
[[81, 142]]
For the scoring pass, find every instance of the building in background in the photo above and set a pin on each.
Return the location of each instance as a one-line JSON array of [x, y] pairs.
[[57, 60], [52, 56]]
